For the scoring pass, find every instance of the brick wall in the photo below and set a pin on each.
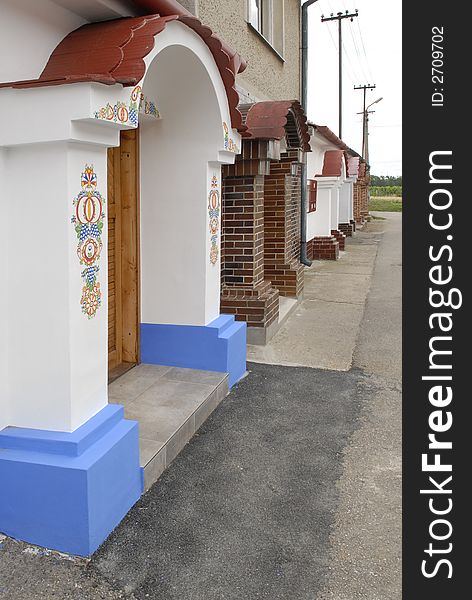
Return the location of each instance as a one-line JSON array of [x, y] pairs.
[[242, 231], [361, 199], [323, 248], [282, 225], [245, 293]]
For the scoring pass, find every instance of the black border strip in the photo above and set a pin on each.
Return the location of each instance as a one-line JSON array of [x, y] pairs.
[[439, 127]]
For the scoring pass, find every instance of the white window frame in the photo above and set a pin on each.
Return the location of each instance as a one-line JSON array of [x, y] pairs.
[[265, 25]]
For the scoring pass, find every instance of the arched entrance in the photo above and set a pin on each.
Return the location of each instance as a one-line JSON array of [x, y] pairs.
[[164, 252], [79, 453]]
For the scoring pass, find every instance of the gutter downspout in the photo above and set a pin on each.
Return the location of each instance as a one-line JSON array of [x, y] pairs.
[[304, 184]]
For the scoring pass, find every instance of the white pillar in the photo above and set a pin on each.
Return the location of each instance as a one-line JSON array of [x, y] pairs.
[[4, 262], [57, 354], [320, 225], [335, 206], [345, 202]]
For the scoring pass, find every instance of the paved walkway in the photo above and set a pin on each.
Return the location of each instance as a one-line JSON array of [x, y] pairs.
[[291, 489], [322, 333]]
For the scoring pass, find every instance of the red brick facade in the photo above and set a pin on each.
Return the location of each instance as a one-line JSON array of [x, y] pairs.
[[323, 248], [341, 238], [347, 228], [260, 244], [282, 225], [245, 291], [361, 195]]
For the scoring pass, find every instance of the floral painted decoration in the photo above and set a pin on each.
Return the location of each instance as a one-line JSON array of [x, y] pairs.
[[88, 224], [229, 142], [214, 214], [122, 112], [150, 108]]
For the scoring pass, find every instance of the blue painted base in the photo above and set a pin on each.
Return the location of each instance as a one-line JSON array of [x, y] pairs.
[[219, 346], [68, 491]]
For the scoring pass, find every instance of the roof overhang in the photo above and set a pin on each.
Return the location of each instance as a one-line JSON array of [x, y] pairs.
[[111, 52], [277, 120]]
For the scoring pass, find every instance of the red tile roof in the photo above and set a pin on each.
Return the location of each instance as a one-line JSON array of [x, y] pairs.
[[333, 163], [276, 120], [352, 165], [335, 140], [330, 136], [113, 52]]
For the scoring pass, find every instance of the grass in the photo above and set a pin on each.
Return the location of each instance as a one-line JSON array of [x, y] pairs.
[[386, 204]]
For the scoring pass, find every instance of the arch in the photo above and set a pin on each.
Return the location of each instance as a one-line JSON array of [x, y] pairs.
[[179, 168]]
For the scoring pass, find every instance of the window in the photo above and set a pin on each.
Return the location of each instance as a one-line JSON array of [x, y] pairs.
[[312, 183], [255, 14], [267, 17]]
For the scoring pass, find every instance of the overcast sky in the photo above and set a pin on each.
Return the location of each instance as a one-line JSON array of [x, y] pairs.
[[372, 54]]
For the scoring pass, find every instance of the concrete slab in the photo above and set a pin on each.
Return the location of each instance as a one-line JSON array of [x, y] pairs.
[[170, 404], [322, 330]]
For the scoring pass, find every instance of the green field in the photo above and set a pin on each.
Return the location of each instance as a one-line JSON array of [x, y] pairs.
[[386, 204]]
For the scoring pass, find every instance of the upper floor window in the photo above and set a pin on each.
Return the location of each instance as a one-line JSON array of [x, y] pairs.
[[267, 17]]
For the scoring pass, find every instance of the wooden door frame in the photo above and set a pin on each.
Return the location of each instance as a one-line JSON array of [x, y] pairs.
[[126, 192]]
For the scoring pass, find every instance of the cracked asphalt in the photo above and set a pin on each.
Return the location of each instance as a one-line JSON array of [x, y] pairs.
[[291, 490]]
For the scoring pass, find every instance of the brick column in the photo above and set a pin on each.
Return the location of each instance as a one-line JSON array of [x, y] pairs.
[[365, 196], [323, 248], [358, 201], [282, 225], [246, 292]]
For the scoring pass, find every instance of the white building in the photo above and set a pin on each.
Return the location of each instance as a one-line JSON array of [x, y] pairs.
[[114, 132], [332, 170]]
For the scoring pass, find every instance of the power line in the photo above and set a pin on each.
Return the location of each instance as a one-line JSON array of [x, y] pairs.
[[353, 81], [364, 50], [356, 48], [339, 18]]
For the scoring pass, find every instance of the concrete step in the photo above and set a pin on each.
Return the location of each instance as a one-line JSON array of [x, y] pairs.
[[170, 405]]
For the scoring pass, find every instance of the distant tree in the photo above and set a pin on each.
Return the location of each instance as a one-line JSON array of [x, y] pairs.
[[384, 180]]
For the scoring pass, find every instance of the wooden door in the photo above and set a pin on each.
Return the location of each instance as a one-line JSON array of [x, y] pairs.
[[123, 254]]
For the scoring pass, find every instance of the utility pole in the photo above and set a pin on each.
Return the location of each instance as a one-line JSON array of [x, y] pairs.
[[339, 18], [366, 113], [365, 88]]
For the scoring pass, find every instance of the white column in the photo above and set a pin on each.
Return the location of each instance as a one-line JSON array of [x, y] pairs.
[[57, 354], [320, 225], [4, 309], [345, 202], [351, 199], [335, 206]]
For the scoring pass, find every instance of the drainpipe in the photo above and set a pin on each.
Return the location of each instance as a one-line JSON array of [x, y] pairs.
[[304, 185]]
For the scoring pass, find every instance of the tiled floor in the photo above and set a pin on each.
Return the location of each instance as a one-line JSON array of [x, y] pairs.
[[170, 404]]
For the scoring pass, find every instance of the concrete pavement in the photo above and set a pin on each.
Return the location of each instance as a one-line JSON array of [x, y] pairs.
[[323, 330], [365, 559]]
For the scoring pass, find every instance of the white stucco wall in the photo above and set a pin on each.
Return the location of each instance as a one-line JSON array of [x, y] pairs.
[[4, 248], [30, 30], [179, 156], [325, 218], [345, 201], [57, 357], [319, 222], [56, 364]]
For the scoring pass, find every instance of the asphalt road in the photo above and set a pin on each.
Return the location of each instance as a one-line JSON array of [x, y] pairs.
[[291, 489]]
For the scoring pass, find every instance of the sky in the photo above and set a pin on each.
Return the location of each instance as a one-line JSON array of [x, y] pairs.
[[371, 55]]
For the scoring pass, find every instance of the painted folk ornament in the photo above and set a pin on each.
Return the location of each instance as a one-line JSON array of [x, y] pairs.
[[88, 224], [228, 141], [128, 114], [214, 215]]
